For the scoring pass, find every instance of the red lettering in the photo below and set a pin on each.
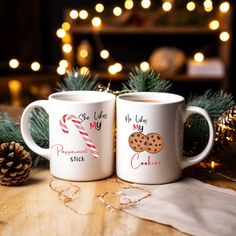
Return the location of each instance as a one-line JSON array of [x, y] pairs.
[[93, 125], [136, 127]]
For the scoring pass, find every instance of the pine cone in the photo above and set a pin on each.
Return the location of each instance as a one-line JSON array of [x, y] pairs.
[[15, 163], [226, 128]]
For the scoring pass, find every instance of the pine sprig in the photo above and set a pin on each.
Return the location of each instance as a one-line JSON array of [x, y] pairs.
[[74, 81], [38, 127], [146, 81], [214, 102], [9, 130], [196, 128]]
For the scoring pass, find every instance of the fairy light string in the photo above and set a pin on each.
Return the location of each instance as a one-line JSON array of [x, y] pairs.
[[126, 202], [67, 193]]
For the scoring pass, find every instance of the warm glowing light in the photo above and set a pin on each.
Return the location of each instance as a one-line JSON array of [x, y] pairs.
[[207, 3], [224, 36], [145, 3], [67, 48], [96, 21], [208, 6], [212, 164], [15, 86], [104, 54], [99, 8], [74, 14], [144, 66], [61, 70], [208, 9], [35, 66], [199, 57], [14, 63], [214, 25], [129, 4], [66, 39], [61, 33], [224, 7], [84, 70], [65, 26], [63, 63], [83, 53], [166, 6], [83, 14], [191, 6], [118, 67], [117, 11], [112, 70]]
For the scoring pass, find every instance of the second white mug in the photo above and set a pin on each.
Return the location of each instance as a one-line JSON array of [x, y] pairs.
[[150, 137]]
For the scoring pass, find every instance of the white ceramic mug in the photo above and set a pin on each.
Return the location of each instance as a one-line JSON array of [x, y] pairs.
[[150, 137], [81, 125]]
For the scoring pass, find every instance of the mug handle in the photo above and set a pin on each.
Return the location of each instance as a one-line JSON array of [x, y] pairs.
[[189, 110], [44, 152]]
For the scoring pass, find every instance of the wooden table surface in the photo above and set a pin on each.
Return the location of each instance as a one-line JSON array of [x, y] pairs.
[[35, 209]]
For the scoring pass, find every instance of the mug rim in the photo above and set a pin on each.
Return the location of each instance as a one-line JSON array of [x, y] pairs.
[[169, 98], [95, 96]]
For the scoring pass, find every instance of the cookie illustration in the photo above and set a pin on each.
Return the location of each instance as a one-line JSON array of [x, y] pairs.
[[138, 142], [154, 143]]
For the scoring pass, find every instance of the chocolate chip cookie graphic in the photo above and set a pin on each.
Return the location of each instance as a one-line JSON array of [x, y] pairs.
[[154, 143], [138, 142]]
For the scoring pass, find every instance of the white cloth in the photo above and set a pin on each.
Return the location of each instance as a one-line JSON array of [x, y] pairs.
[[189, 205]]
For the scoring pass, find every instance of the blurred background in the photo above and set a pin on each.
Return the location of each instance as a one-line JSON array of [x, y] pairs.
[[188, 42]]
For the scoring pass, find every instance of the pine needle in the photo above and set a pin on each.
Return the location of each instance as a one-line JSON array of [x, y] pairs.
[[196, 128], [39, 130], [216, 103], [9, 131], [146, 81], [74, 81]]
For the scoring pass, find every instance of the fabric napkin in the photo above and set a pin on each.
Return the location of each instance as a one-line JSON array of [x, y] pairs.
[[189, 205]]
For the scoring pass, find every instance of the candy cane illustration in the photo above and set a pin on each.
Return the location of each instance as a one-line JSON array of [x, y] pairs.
[[82, 131]]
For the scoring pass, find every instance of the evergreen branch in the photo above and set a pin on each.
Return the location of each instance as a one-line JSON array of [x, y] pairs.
[[38, 128], [146, 81], [74, 81], [9, 130], [196, 128], [216, 103]]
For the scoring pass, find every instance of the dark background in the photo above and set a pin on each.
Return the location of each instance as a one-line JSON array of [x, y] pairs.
[[28, 31]]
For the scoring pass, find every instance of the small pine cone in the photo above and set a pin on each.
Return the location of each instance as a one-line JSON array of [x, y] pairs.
[[225, 128], [15, 164]]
